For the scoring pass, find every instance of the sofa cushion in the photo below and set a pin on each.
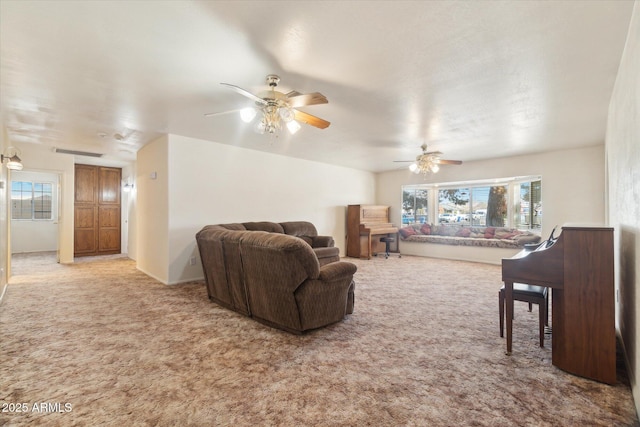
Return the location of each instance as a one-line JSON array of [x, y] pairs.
[[299, 228], [327, 255], [307, 239], [269, 227], [231, 226]]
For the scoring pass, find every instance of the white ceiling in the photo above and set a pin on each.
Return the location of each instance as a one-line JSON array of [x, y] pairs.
[[474, 80]]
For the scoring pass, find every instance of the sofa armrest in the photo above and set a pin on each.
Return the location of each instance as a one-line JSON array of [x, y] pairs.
[[336, 270], [322, 242]]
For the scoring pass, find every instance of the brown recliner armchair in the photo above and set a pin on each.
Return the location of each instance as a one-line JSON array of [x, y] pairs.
[[274, 278], [323, 246]]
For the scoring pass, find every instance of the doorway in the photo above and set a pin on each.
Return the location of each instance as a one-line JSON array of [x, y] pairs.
[[34, 213]]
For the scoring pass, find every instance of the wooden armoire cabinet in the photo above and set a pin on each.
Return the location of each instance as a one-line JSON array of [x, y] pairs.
[[96, 210]]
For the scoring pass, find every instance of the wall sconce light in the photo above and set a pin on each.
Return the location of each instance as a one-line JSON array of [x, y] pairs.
[[11, 157], [126, 185]]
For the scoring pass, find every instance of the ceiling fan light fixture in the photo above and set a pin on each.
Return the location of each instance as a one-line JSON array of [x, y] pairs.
[[428, 162], [293, 127], [286, 114], [425, 164], [248, 114], [276, 108], [260, 127]]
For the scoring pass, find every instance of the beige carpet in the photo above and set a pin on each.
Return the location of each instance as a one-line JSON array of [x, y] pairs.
[[102, 344]]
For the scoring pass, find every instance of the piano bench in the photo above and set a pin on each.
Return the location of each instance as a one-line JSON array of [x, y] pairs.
[[387, 240], [533, 295]]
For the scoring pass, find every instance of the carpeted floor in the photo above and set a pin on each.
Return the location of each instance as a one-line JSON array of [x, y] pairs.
[[100, 343]]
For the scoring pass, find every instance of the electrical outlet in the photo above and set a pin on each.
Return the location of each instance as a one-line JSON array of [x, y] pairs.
[[192, 260]]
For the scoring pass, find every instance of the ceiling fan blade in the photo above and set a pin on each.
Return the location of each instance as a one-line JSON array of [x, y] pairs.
[[310, 120], [219, 113], [306, 99], [403, 161], [448, 162], [245, 93]]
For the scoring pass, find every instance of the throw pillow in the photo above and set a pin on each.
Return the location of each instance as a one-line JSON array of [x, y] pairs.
[[489, 232], [464, 232], [449, 230], [425, 229], [407, 231]]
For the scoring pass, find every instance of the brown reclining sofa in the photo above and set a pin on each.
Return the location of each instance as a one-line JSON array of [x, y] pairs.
[[272, 273]]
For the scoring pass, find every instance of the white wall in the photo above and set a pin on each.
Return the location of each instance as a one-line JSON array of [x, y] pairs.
[[572, 189], [211, 183], [623, 165], [152, 183], [36, 235]]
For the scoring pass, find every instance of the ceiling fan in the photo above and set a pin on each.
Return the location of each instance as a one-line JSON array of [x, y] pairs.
[[277, 108], [428, 161]]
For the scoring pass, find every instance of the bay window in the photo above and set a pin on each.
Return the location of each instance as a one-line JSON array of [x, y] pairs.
[[514, 202]]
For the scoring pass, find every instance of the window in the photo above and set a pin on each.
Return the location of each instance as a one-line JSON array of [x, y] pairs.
[[510, 202], [415, 204], [31, 200], [528, 205]]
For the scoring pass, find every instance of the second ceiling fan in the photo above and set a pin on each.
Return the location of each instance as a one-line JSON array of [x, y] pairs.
[[428, 162], [276, 108]]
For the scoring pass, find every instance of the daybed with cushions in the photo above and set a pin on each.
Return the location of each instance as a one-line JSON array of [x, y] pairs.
[[273, 277], [495, 237]]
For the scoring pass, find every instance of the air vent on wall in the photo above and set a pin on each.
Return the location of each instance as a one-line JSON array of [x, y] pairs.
[[78, 153]]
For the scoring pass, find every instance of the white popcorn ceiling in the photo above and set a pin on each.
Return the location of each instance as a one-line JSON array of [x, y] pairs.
[[474, 80]]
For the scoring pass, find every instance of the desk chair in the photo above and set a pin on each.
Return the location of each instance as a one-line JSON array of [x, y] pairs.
[[533, 295]]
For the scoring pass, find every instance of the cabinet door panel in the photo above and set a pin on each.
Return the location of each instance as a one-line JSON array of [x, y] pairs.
[[109, 216], [109, 240], [85, 217], [86, 184], [109, 190], [85, 241]]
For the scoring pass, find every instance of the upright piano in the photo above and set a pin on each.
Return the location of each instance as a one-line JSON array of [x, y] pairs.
[[578, 266], [365, 225]]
